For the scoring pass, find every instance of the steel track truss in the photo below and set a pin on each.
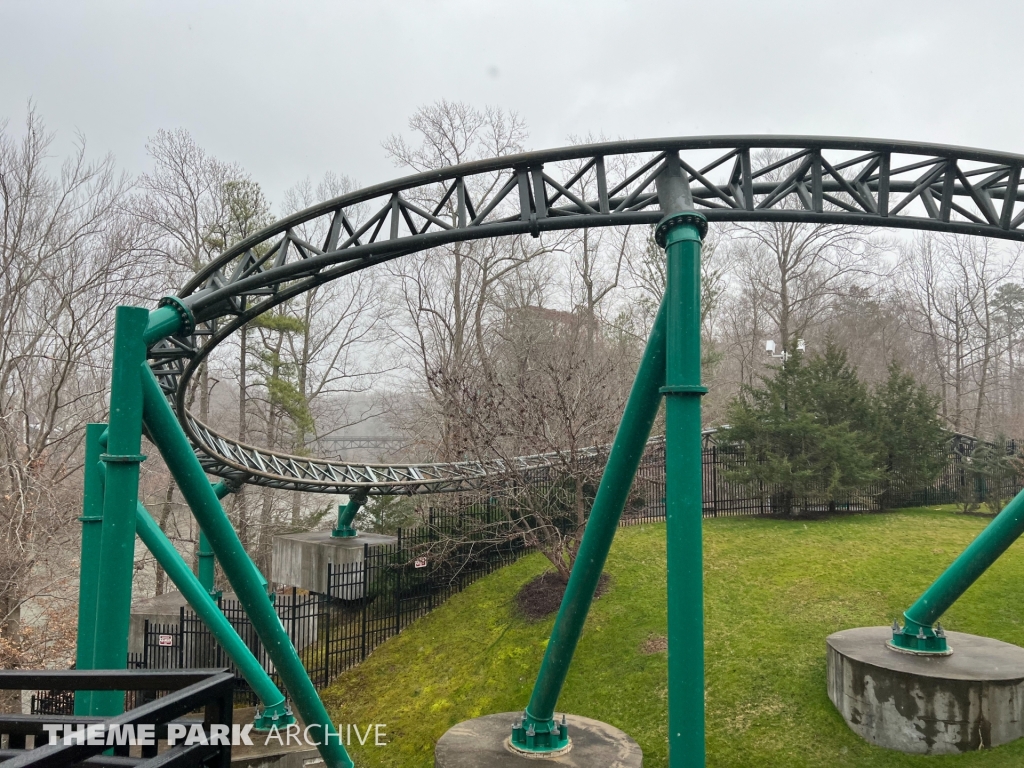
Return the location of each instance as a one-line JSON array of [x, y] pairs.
[[801, 179]]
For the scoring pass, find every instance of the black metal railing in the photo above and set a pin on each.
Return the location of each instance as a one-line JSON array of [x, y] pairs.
[[388, 586], [185, 692]]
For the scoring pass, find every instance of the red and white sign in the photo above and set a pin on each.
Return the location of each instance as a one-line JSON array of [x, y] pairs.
[[421, 562], [166, 640]]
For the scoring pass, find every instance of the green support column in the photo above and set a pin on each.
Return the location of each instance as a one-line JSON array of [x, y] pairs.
[[917, 635], [275, 709], [167, 435], [120, 497], [222, 489], [681, 233], [347, 514], [207, 560], [88, 579], [538, 731], [207, 566]]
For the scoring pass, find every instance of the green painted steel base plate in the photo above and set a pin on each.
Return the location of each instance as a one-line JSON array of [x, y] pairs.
[[279, 715], [919, 640], [533, 736]]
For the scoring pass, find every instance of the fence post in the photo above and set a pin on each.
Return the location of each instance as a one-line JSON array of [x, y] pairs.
[[714, 479], [294, 638], [398, 584], [365, 597], [145, 644], [328, 639]]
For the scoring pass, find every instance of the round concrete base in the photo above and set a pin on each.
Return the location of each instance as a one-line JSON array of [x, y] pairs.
[[970, 700], [483, 741]]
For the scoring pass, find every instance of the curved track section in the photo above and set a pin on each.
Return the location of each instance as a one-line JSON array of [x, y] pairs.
[[805, 179]]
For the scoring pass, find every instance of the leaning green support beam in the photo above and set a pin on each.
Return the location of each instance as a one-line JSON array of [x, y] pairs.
[[120, 495], [918, 634], [538, 732], [168, 436], [88, 596], [347, 514], [680, 233], [275, 710]]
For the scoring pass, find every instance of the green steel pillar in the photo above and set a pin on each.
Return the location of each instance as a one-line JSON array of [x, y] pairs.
[[538, 731], [168, 436], [275, 709], [92, 533], [207, 566], [917, 635], [680, 233], [204, 554], [120, 497], [347, 514]]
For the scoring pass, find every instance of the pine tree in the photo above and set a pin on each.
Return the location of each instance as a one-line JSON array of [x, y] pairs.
[[910, 432], [808, 431]]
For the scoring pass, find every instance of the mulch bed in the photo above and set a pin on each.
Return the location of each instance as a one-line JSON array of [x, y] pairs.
[[542, 596], [654, 644]]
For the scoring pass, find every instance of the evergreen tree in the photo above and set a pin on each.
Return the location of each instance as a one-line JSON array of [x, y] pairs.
[[910, 431], [996, 474], [807, 431]]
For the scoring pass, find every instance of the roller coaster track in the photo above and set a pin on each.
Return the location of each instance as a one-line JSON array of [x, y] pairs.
[[801, 179]]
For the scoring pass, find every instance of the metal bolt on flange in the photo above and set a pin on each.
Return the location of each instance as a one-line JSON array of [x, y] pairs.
[[537, 737], [918, 639]]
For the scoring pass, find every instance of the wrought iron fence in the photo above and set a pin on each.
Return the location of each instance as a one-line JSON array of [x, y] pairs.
[[388, 586]]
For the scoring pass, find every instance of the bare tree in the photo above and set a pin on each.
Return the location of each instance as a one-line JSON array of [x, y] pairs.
[[801, 268], [68, 256], [444, 293], [949, 285]]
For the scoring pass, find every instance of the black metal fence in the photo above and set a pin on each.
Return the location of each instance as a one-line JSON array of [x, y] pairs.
[[369, 600], [725, 496], [386, 587]]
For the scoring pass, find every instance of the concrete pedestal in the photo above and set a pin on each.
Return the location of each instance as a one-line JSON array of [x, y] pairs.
[[268, 753], [301, 560], [482, 742], [163, 610], [970, 700], [190, 645]]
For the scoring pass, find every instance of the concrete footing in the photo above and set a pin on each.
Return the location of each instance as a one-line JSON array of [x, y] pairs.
[[972, 699], [483, 742], [163, 610], [301, 560]]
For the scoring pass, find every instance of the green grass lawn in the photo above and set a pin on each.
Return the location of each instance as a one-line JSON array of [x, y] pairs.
[[774, 590]]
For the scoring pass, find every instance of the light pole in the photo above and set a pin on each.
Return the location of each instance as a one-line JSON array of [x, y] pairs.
[[769, 348]]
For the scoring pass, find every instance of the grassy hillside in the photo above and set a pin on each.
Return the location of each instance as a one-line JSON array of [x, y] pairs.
[[774, 590]]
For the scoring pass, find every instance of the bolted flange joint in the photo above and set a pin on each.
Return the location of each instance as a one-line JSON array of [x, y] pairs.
[[919, 639], [188, 320], [279, 715], [540, 737], [673, 220]]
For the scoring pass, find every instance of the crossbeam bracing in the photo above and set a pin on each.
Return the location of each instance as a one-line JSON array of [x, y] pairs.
[[802, 179]]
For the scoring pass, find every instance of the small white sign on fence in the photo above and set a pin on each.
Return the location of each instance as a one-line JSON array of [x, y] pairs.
[[166, 640], [421, 562]]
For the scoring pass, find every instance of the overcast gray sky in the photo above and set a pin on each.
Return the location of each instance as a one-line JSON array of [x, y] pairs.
[[293, 89]]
